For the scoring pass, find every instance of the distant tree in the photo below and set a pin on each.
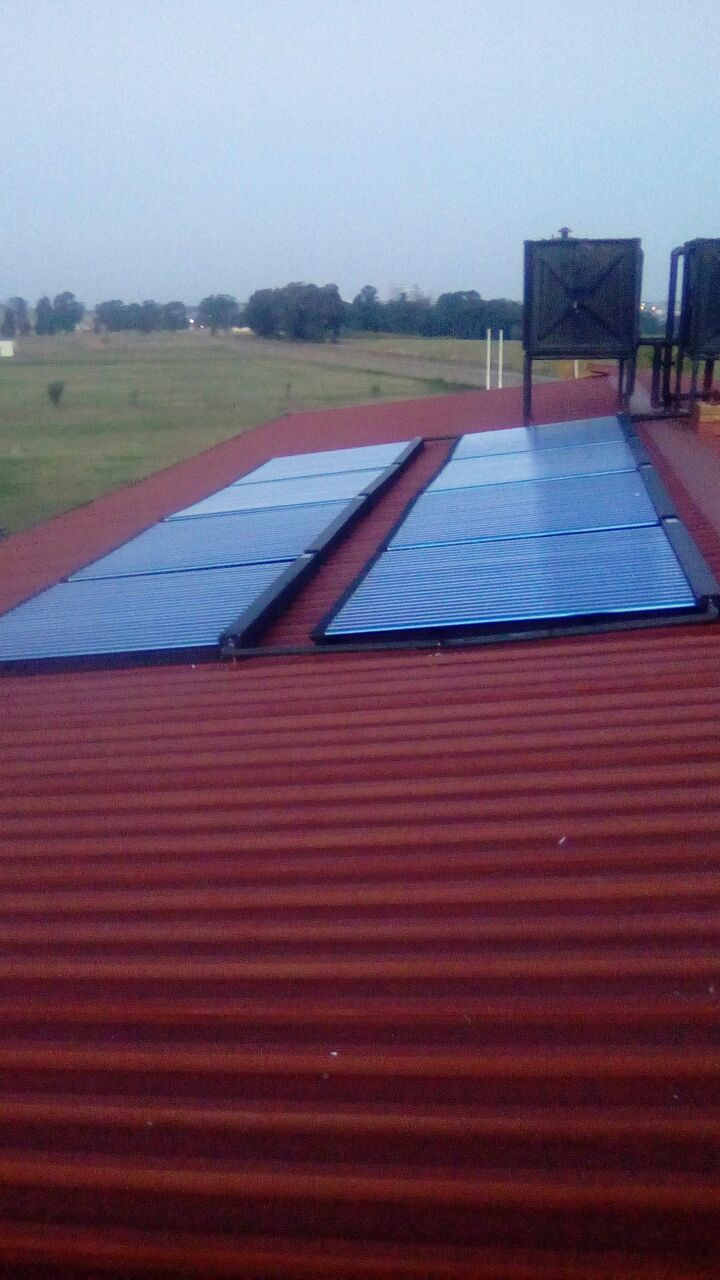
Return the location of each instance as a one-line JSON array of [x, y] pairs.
[[304, 312], [67, 313], [55, 392], [295, 306], [333, 311], [133, 317], [366, 312], [44, 317], [405, 315], [8, 326], [651, 326], [262, 312], [174, 316], [115, 316], [503, 314], [110, 315], [218, 311], [151, 316], [459, 315], [22, 322]]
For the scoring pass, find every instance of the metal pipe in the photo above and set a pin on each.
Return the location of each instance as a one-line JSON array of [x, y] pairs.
[[656, 373], [695, 368], [679, 365], [488, 350], [631, 372], [527, 389], [682, 335], [670, 323]]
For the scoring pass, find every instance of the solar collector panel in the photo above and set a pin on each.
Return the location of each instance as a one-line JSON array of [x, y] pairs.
[[622, 571], [299, 491], [569, 505], [327, 462], [554, 435], [248, 537], [132, 615], [541, 464]]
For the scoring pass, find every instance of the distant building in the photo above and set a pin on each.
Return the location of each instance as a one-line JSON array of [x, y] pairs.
[[410, 292]]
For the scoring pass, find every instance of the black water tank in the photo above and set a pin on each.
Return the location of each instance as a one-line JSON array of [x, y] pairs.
[[582, 298], [700, 313]]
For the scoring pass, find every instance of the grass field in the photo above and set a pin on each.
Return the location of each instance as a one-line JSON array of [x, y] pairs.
[[139, 404], [134, 404], [444, 350]]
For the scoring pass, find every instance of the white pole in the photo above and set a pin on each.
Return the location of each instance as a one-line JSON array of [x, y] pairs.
[[500, 358], [488, 349], [576, 368]]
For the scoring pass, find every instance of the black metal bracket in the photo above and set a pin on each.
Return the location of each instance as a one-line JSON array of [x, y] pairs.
[[246, 628]]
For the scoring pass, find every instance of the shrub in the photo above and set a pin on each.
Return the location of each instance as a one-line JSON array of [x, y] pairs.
[[55, 392]]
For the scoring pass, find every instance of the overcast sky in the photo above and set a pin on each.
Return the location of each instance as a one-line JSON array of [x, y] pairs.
[[172, 148]]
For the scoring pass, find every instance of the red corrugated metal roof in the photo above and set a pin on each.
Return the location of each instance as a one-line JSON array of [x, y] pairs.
[[363, 965]]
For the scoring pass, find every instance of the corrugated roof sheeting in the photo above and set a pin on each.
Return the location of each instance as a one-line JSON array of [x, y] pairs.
[[351, 966], [411, 958]]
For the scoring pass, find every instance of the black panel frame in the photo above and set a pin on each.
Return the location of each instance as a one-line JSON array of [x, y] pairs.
[[255, 620], [258, 616]]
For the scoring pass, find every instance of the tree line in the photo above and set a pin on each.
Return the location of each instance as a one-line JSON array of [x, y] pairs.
[[306, 312], [61, 315], [299, 312]]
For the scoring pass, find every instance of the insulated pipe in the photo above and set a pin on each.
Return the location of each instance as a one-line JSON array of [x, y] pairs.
[[670, 323]]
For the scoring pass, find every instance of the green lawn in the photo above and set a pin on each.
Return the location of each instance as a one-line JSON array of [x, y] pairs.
[[132, 405], [461, 352], [465, 351]]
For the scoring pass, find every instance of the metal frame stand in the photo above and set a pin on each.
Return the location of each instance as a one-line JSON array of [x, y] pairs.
[[663, 394], [627, 369]]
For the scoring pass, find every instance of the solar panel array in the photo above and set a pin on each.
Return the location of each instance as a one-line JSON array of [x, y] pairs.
[[528, 527], [183, 583]]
